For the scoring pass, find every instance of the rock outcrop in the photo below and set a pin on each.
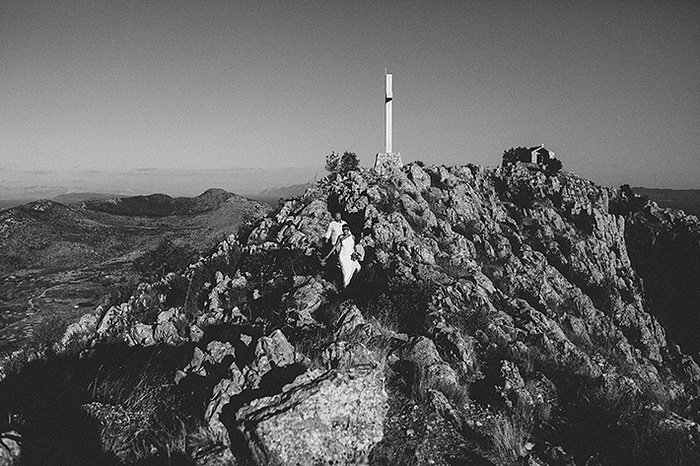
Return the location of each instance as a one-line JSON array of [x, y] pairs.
[[322, 417], [499, 315]]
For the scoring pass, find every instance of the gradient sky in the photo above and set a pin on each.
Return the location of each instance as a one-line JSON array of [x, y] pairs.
[[612, 87]]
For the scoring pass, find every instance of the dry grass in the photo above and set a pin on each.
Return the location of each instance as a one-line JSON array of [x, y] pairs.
[[138, 420], [509, 433], [423, 383], [312, 344]]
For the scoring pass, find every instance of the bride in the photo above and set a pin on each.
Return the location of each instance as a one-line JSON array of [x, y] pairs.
[[345, 247]]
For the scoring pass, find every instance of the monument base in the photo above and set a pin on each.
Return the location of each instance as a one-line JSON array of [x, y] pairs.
[[386, 162]]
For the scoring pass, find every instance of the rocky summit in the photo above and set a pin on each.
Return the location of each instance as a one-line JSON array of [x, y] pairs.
[[501, 316]]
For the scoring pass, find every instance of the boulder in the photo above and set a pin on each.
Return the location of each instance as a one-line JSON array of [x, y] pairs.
[[10, 450], [307, 297], [140, 334], [221, 395], [513, 389], [217, 296], [348, 320], [332, 417], [429, 365], [348, 356], [171, 328], [114, 321], [80, 333], [270, 352]]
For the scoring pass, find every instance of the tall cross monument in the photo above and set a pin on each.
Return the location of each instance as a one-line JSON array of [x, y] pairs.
[[388, 97], [387, 160]]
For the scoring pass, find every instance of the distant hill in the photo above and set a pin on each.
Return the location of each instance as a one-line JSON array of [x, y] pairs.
[[162, 205], [687, 200], [74, 198]]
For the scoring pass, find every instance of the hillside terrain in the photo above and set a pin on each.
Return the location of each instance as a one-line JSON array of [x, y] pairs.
[[56, 258], [501, 316]]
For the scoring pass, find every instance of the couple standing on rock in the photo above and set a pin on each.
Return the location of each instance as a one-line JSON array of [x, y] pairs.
[[340, 238]]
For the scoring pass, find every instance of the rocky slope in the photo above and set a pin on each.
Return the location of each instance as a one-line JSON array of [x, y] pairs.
[[498, 319]]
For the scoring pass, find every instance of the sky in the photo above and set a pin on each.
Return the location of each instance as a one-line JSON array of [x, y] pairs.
[[612, 87]]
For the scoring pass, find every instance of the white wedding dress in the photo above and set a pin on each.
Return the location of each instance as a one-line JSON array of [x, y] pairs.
[[347, 264]]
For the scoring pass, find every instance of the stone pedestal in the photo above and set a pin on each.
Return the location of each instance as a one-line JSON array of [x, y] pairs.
[[386, 162]]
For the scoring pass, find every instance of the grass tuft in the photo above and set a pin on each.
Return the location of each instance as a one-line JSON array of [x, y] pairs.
[[509, 432], [422, 383], [139, 418]]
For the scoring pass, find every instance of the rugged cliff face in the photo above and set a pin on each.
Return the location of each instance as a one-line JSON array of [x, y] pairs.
[[498, 317], [664, 248]]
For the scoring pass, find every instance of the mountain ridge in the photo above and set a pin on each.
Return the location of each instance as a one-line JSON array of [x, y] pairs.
[[490, 300]]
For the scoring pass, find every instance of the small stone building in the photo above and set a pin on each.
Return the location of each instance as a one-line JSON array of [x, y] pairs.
[[539, 155]]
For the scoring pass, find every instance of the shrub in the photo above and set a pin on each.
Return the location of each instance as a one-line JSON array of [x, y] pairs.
[[332, 162], [336, 163], [515, 154], [552, 166]]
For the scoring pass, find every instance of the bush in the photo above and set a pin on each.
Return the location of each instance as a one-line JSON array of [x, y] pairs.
[[552, 166], [336, 163], [515, 154]]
